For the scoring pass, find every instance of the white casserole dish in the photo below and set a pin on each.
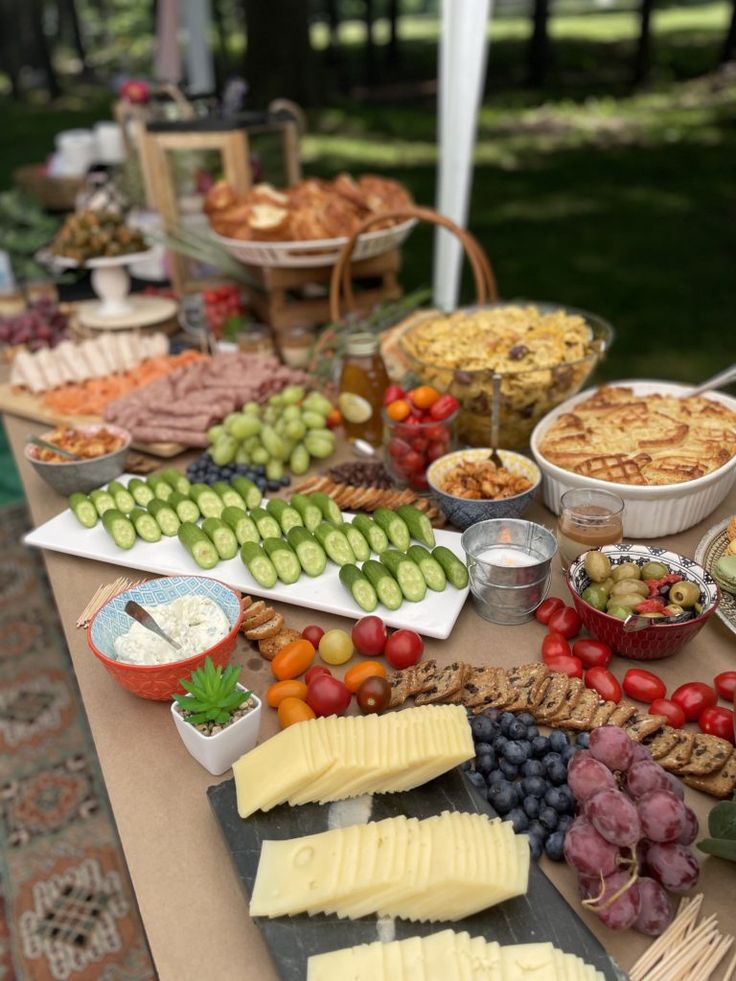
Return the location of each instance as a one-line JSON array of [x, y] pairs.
[[650, 512]]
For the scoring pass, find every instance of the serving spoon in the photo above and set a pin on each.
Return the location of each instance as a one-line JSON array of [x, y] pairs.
[[136, 611], [42, 444], [635, 622], [722, 378]]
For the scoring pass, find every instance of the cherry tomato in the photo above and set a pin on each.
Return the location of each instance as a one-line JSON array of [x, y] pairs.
[[606, 684], [392, 393], [373, 695], [670, 710], [424, 396], [314, 671], [403, 648], [566, 664], [313, 634], [279, 690], [545, 609], [644, 686], [334, 418], [398, 410], [554, 645], [336, 647], [693, 697], [356, 675], [328, 696], [725, 683], [293, 710], [444, 407], [565, 621], [369, 635], [293, 660], [593, 653], [717, 721]]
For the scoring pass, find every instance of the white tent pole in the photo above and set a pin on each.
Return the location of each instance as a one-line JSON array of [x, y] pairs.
[[200, 68], [167, 67], [462, 68]]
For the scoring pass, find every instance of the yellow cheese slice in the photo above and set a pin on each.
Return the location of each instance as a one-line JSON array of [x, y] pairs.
[[384, 865], [529, 962], [412, 959], [440, 957]]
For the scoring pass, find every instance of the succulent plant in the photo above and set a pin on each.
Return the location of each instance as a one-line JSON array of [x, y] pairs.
[[212, 695]]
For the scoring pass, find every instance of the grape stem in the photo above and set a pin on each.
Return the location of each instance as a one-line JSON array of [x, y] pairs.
[[594, 902]]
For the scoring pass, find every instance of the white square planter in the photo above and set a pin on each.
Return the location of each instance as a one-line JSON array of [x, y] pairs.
[[218, 753]]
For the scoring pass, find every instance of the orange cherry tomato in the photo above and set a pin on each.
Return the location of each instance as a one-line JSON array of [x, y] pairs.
[[293, 710], [424, 396], [279, 690], [334, 418], [293, 660], [356, 675], [398, 410]]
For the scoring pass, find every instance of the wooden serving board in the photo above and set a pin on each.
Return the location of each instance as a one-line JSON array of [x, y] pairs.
[[541, 915], [29, 406]]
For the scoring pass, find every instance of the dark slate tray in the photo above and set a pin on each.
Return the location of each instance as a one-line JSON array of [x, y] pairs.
[[539, 916]]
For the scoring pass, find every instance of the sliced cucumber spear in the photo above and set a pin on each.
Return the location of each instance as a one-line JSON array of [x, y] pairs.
[[242, 524], [84, 510], [258, 564], [434, 574], [386, 587], [249, 491], [166, 517], [359, 587], [142, 493], [230, 497], [101, 500], [330, 511], [184, 506], [123, 499], [308, 550], [208, 501], [285, 560], [311, 514], [419, 525], [177, 480], [160, 486], [406, 573], [120, 528], [334, 543], [221, 536], [455, 570], [198, 545], [287, 516], [359, 545], [145, 525], [267, 525], [375, 535], [394, 526]]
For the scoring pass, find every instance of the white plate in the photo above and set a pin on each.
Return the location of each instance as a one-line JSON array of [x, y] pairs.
[[709, 549], [434, 616]]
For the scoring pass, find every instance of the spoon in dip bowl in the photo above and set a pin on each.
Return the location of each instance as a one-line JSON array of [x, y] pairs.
[[136, 611]]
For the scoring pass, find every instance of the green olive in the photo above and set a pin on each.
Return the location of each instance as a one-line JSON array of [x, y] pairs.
[[597, 565], [629, 600], [627, 570], [626, 587], [698, 607], [673, 610], [653, 570], [685, 594], [596, 596], [618, 611]]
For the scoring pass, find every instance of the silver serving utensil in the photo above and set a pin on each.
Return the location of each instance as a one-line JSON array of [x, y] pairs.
[[635, 622], [722, 378], [495, 456], [37, 441], [143, 617]]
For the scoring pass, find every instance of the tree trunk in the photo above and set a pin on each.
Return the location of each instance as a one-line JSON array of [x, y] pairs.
[[539, 44], [392, 55], [278, 57], [729, 47], [43, 58], [222, 63], [370, 46], [642, 60], [71, 15]]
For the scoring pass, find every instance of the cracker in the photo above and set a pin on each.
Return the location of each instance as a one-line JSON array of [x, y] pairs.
[[554, 697], [411, 681], [446, 682], [622, 713], [268, 629], [709, 754], [640, 726], [575, 688], [525, 680], [459, 696], [660, 743], [245, 602], [270, 646], [680, 753], [721, 783], [481, 686], [603, 712], [582, 715]]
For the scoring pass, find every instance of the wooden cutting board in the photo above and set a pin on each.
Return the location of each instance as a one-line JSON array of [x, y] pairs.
[[29, 406]]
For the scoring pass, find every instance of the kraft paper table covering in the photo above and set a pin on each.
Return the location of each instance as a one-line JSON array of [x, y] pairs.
[[193, 910]]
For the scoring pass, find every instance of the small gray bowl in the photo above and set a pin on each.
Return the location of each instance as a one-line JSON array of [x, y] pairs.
[[67, 478], [464, 511]]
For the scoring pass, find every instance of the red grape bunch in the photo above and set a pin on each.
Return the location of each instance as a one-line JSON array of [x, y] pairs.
[[41, 325], [629, 842]]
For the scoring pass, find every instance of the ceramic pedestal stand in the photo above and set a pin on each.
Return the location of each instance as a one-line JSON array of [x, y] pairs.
[[116, 308]]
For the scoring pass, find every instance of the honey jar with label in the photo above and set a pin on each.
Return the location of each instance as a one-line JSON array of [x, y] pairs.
[[363, 380]]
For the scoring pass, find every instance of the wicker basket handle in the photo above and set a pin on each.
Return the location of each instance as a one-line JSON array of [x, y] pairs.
[[341, 287]]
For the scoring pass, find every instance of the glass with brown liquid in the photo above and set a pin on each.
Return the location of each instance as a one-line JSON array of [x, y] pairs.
[[588, 519]]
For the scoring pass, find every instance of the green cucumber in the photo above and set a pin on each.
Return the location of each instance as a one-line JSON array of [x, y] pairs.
[[230, 497], [285, 560], [406, 573], [287, 516], [166, 517], [310, 553], [84, 510], [145, 525], [434, 574], [198, 545], [386, 587], [334, 543], [267, 525], [208, 501], [102, 501], [359, 587], [258, 564], [330, 511], [119, 527], [142, 493], [455, 570], [242, 524], [311, 514], [184, 506], [249, 491], [394, 526], [221, 536], [359, 545], [373, 533], [419, 525], [160, 486], [123, 499], [177, 480]]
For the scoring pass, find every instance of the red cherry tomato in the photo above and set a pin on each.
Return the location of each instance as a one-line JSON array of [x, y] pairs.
[[545, 609], [593, 653], [403, 649], [369, 636], [672, 712], [314, 672], [565, 621], [374, 695], [693, 697], [328, 696], [444, 407], [717, 721], [554, 645], [644, 686], [725, 683], [566, 664], [334, 418], [313, 634], [392, 393], [606, 684]]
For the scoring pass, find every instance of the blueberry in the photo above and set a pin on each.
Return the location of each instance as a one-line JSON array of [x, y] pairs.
[[476, 779], [531, 732], [259, 469], [568, 752], [558, 740], [554, 846], [564, 821], [502, 797], [535, 786], [517, 730], [531, 806], [509, 770], [557, 772], [499, 744], [466, 765], [515, 753], [261, 482], [273, 485], [495, 776], [566, 799], [537, 829], [481, 748], [548, 818], [492, 713], [532, 768], [540, 745], [549, 758], [536, 846], [526, 717], [552, 799], [518, 819], [582, 739], [285, 480], [506, 719], [482, 729], [485, 763]]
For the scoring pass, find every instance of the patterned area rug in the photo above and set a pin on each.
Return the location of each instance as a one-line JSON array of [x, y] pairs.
[[67, 909]]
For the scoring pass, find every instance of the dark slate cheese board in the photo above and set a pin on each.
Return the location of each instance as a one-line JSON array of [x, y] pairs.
[[541, 915]]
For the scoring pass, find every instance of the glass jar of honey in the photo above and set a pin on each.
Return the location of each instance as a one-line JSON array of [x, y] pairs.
[[363, 380]]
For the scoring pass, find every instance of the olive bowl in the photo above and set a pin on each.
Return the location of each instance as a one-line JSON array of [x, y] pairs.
[[660, 639]]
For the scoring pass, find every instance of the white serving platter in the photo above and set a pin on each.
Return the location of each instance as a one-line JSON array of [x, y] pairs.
[[434, 616]]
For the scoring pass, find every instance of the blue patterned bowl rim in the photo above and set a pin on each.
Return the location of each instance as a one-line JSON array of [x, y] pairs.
[[471, 452]]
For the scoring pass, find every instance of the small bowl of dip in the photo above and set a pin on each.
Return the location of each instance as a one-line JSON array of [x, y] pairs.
[[202, 615]]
